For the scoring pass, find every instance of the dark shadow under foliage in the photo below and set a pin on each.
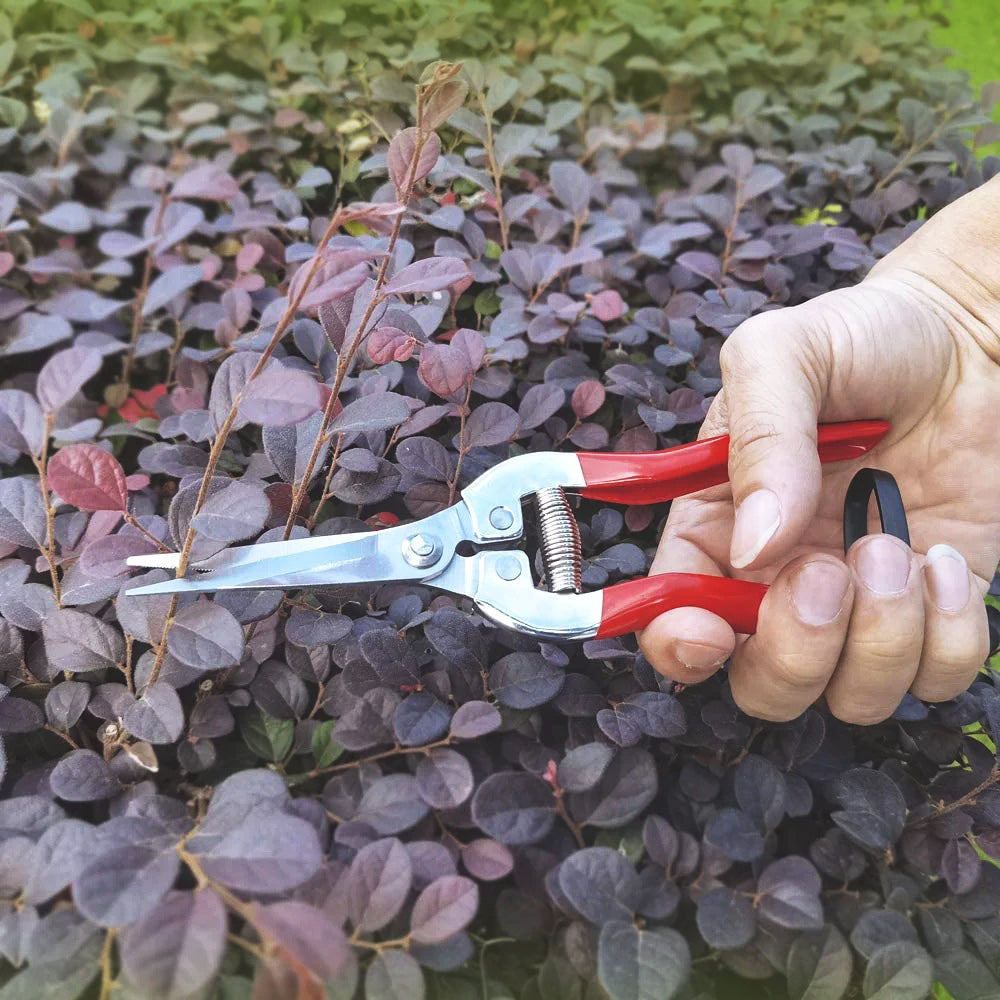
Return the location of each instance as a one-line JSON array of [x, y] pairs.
[[377, 790]]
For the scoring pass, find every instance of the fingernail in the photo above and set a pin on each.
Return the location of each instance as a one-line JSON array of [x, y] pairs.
[[818, 591], [884, 565], [757, 519], [947, 578], [698, 655]]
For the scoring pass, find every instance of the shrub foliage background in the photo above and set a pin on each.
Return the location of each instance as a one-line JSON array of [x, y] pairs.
[[320, 290]]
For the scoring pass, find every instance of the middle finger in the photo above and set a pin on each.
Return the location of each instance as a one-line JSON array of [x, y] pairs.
[[884, 639]]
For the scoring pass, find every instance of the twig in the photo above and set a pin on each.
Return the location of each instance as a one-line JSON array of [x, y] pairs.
[[942, 808], [41, 463], [345, 360], [107, 977], [396, 751], [140, 299]]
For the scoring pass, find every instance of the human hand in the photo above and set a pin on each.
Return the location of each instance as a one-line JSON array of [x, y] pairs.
[[916, 343]]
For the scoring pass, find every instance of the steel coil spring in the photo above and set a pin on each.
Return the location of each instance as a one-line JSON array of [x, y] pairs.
[[560, 541]]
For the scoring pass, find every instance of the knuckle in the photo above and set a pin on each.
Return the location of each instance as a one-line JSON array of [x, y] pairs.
[[886, 652], [797, 672], [749, 701], [942, 688], [857, 712]]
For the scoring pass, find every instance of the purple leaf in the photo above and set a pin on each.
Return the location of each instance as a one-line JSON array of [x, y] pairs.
[[83, 776], [67, 217], [514, 808], [239, 510], [571, 186], [125, 884], [76, 642], [105, 557], [444, 778], [21, 421], [376, 411], [81, 306], [487, 860], [327, 284], [539, 403], [420, 719], [65, 703], [490, 424], [177, 948], [447, 368], [167, 286], [64, 374], [206, 636], [280, 396], [205, 180], [156, 717], [762, 179], [309, 935], [525, 680], [61, 853], [378, 883], [474, 719], [402, 151], [266, 851], [444, 908], [424, 276]]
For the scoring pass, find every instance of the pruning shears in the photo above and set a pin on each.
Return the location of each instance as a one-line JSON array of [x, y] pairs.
[[469, 549]]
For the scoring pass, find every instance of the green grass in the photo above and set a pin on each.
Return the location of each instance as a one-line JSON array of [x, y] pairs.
[[973, 35]]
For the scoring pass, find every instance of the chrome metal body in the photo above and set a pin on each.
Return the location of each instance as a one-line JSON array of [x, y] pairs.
[[489, 513]]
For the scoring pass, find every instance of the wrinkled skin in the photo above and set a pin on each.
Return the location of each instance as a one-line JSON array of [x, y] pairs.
[[917, 343]]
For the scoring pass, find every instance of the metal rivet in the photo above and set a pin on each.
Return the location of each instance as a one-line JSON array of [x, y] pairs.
[[501, 518], [508, 568], [422, 550]]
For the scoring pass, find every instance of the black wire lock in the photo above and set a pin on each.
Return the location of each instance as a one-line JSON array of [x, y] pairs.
[[892, 517]]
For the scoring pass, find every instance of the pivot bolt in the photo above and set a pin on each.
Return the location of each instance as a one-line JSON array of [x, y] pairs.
[[508, 568], [501, 518], [422, 550]]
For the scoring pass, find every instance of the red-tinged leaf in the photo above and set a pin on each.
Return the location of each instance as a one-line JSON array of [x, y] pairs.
[[334, 288], [7, 261], [249, 257], [446, 368], [137, 481], [444, 102], [88, 477], [608, 305], [639, 518], [280, 396], [588, 398], [424, 276], [388, 343], [206, 181], [403, 150]]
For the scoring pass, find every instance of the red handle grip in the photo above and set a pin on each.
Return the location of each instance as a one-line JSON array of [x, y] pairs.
[[635, 603], [659, 476]]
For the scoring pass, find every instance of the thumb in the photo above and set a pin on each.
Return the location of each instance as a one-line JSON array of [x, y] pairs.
[[772, 381]]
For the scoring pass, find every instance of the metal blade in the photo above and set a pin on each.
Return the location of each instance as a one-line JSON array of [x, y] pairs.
[[324, 561]]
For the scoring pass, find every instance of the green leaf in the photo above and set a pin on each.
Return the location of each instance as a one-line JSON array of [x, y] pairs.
[[325, 749], [267, 737], [13, 112]]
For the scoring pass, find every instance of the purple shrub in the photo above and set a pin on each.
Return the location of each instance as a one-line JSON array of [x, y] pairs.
[[376, 789]]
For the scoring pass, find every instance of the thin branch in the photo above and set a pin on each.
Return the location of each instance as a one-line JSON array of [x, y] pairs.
[[41, 464]]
